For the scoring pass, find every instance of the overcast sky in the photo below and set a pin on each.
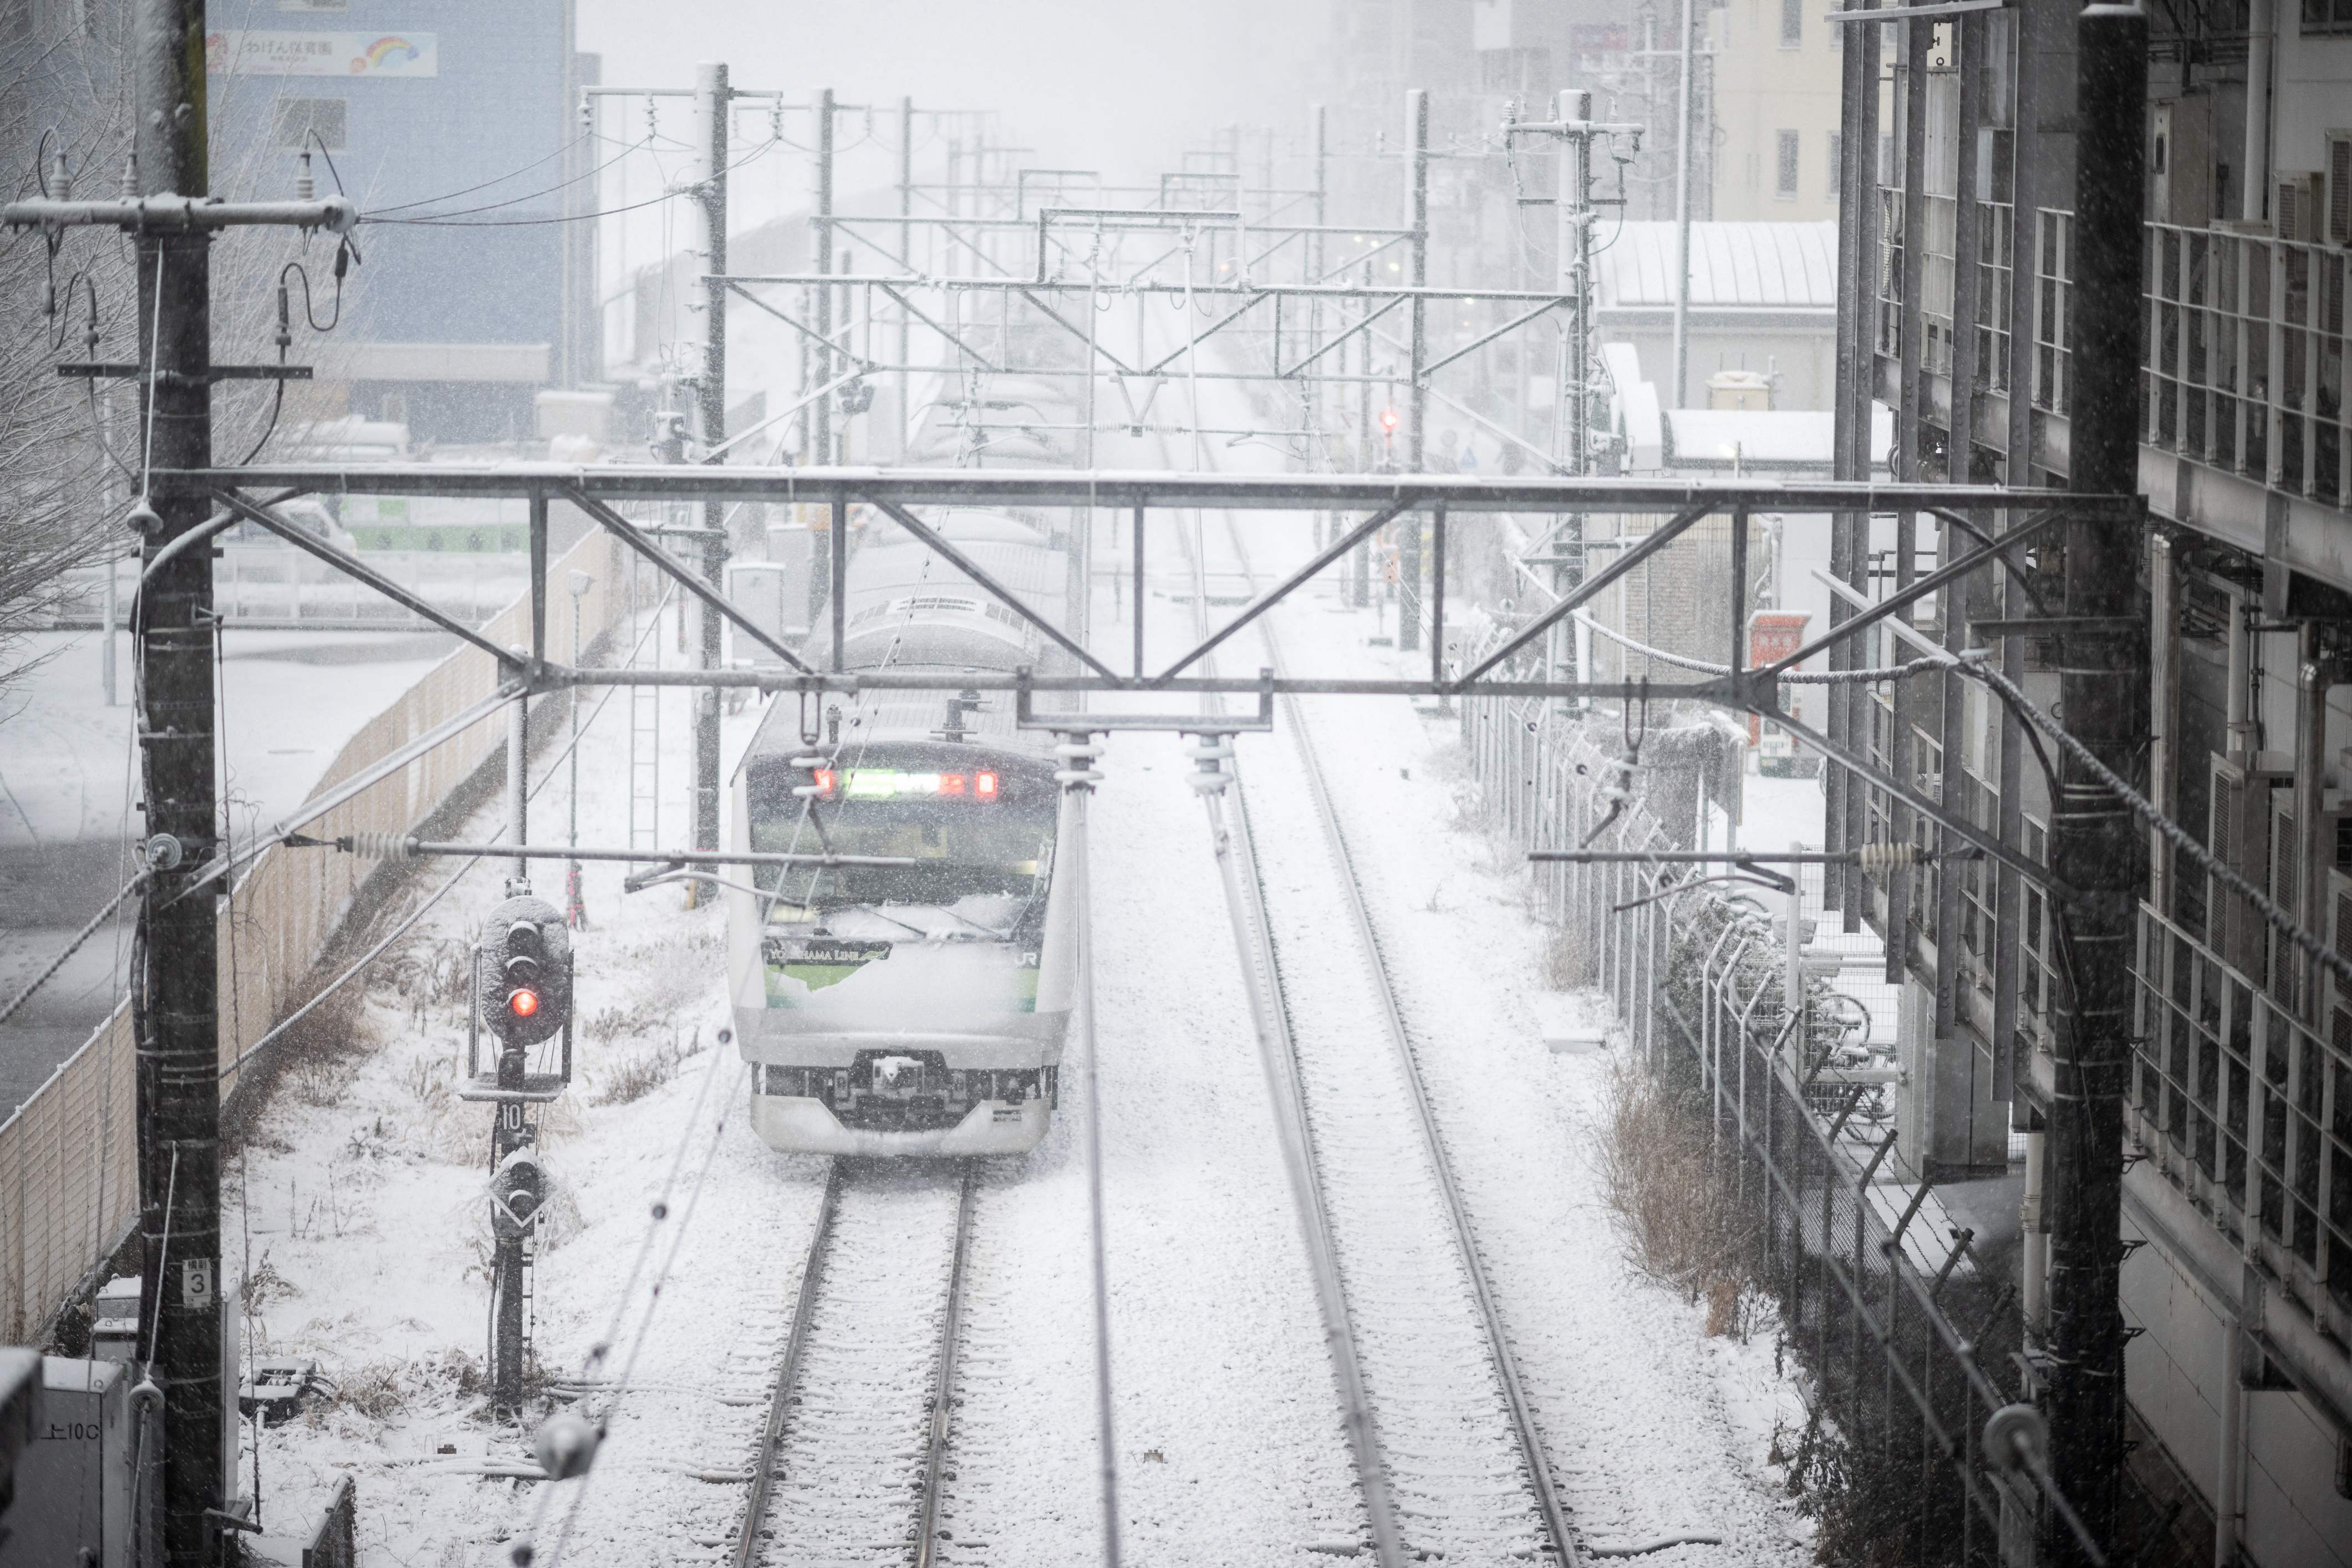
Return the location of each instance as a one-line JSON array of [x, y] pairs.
[[1120, 84]]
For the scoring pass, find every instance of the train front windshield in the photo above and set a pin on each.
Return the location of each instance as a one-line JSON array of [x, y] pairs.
[[967, 839]]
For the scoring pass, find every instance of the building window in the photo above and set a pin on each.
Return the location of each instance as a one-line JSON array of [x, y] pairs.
[[1793, 23], [299, 119], [2339, 190], [2327, 16], [1784, 174], [1837, 164]]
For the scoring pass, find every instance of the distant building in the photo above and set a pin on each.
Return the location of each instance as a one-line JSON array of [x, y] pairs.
[[1776, 111], [1763, 299], [454, 125]]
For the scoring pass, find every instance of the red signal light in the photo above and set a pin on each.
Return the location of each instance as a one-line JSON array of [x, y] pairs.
[[523, 1004], [983, 785], [1388, 419]]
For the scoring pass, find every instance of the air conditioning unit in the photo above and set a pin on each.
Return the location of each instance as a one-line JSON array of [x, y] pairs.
[[2180, 161], [2339, 938], [2300, 212], [2339, 190], [2240, 837], [2289, 852]]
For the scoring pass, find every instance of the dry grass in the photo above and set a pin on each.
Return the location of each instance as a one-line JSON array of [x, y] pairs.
[[264, 1285], [457, 1131], [316, 1060], [633, 1077], [1569, 960], [1684, 1224], [373, 1392], [434, 971]]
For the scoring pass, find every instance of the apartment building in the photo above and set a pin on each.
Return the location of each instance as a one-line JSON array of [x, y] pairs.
[[2239, 1108], [1776, 112]]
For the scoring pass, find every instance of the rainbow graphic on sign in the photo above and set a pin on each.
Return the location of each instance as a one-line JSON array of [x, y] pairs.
[[386, 54], [246, 51]]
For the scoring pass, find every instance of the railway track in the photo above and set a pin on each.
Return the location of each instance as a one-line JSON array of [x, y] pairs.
[[1456, 1450], [852, 1455]]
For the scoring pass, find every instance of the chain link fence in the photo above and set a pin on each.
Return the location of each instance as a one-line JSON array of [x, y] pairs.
[[1905, 1345], [68, 1155]]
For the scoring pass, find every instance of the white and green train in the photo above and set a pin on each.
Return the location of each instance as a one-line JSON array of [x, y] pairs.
[[911, 1010]]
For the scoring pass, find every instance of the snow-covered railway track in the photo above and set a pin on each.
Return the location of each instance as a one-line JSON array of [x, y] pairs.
[[850, 1460], [1461, 1457]]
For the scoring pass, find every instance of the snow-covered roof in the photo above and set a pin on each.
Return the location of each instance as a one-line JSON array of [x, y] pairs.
[[1733, 266], [1777, 439]]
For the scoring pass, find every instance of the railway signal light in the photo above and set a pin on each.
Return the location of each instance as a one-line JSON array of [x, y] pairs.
[[1389, 420], [516, 1193], [523, 977]]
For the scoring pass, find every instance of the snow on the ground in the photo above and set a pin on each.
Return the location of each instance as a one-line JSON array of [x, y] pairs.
[[362, 1195], [289, 702]]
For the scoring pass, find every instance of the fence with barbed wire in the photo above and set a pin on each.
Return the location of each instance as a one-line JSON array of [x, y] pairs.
[[1907, 1338]]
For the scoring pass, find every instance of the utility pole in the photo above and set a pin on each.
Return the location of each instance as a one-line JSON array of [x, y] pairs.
[[821, 413], [575, 905], [1309, 404], [1575, 237], [2095, 854], [712, 110], [1417, 441], [1688, 129], [906, 265], [176, 1000], [179, 1059], [1573, 124]]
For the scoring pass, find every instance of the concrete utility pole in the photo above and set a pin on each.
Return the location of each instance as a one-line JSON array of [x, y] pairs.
[[712, 101], [2095, 851], [176, 1001], [1574, 214], [1683, 135], [179, 1053], [1417, 437], [821, 412], [906, 266]]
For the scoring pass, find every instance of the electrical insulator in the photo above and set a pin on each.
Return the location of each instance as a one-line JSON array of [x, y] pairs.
[[523, 981]]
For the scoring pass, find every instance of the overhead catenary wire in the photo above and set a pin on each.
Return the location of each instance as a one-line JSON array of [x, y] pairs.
[[495, 180], [359, 964], [439, 221], [653, 1295], [2276, 917]]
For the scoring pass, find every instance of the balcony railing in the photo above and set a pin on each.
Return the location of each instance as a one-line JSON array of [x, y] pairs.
[[2242, 367], [2249, 1111]]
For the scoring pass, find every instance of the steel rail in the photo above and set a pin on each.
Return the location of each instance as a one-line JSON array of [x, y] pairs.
[[771, 1435], [935, 1447], [1278, 1052], [785, 1394], [1237, 858], [1549, 1507]]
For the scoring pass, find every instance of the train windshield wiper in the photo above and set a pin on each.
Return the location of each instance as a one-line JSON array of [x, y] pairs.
[[875, 911], [988, 932]]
